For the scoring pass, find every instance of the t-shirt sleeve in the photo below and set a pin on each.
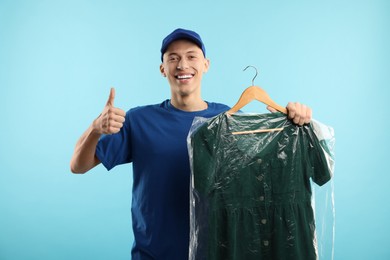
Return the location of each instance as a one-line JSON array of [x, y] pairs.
[[115, 149]]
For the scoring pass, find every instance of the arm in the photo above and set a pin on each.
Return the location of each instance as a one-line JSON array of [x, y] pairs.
[[84, 157], [110, 121]]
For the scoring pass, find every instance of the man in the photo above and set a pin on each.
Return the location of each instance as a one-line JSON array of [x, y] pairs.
[[153, 138]]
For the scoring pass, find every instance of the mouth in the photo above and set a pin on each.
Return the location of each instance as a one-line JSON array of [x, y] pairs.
[[184, 76]]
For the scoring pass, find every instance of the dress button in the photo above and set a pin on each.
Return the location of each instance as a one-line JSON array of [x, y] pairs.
[[259, 161], [266, 243], [264, 221], [260, 178], [261, 198]]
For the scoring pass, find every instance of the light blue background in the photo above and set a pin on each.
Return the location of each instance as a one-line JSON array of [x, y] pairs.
[[58, 60]]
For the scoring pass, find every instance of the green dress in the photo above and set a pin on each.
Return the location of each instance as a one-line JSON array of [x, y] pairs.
[[251, 192]]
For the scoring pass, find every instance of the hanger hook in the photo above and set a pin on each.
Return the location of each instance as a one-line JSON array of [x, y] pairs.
[[253, 80]]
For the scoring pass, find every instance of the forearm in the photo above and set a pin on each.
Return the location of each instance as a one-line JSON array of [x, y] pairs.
[[84, 158]]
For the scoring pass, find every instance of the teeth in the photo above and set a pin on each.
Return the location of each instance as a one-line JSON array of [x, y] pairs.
[[184, 76]]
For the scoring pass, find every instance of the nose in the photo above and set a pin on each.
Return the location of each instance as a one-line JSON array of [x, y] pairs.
[[182, 65]]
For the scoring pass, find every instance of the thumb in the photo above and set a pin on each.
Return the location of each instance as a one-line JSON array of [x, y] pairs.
[[110, 101], [271, 109]]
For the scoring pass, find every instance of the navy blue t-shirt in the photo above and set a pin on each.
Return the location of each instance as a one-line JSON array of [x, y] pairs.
[[153, 138]]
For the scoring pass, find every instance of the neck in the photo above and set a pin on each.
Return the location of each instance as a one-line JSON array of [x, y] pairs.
[[188, 103]]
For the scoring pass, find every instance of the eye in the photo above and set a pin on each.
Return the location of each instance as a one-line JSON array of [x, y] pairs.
[[173, 58]]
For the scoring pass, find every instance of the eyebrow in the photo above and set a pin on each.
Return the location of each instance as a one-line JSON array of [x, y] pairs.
[[188, 52]]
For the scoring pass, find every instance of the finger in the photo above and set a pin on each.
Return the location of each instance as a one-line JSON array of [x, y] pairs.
[[118, 118], [115, 124], [110, 101], [309, 115], [302, 118], [112, 126], [291, 109], [113, 114], [118, 111], [113, 130], [271, 109], [296, 112], [115, 111]]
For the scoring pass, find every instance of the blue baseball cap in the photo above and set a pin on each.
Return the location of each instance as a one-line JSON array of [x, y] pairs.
[[180, 34]]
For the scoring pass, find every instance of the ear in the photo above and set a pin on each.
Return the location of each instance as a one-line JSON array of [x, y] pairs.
[[206, 65], [162, 70]]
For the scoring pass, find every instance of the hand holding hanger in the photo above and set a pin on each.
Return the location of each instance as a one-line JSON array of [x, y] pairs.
[[299, 113]]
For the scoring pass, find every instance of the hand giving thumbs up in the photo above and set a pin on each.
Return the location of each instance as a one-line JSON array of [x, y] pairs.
[[111, 119]]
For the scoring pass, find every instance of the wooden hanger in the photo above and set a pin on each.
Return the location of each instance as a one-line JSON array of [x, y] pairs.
[[252, 93]]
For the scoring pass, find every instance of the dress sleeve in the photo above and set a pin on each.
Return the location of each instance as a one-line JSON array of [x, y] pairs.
[[203, 160], [320, 154]]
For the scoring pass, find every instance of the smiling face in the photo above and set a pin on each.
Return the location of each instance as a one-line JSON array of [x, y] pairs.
[[184, 65]]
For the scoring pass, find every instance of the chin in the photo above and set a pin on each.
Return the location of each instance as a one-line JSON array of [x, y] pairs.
[[186, 90]]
